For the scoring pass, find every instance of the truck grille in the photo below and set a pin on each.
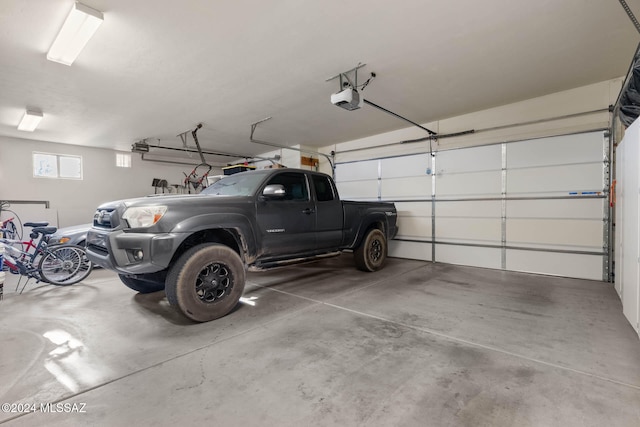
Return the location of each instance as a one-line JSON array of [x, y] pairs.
[[105, 218]]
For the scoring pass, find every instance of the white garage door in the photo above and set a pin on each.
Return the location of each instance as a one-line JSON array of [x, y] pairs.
[[537, 205]]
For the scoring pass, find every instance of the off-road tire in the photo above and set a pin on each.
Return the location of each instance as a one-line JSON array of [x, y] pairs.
[[371, 254], [206, 282]]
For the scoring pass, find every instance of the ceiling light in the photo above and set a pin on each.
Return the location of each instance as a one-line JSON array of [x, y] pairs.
[[79, 27], [30, 121]]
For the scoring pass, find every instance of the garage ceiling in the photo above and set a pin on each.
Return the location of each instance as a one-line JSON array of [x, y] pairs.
[[157, 68]]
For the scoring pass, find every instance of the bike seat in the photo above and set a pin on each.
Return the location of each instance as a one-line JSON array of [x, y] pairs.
[[36, 224], [45, 230]]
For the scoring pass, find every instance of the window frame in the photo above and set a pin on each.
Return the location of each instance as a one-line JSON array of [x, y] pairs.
[[123, 160], [308, 197], [327, 181], [56, 165]]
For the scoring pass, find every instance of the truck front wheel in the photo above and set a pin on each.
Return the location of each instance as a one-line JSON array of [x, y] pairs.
[[372, 252], [206, 282]]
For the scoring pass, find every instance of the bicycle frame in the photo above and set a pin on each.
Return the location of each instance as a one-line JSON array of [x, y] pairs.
[[19, 267], [59, 265], [25, 253], [22, 261]]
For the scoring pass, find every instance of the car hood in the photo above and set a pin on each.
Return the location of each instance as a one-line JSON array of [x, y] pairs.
[[175, 200], [73, 229]]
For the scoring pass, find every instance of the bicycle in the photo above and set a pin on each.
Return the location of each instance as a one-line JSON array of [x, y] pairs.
[[194, 180], [60, 265]]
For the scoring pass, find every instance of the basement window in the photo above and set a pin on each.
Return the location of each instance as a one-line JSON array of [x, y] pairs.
[[62, 166], [123, 160]]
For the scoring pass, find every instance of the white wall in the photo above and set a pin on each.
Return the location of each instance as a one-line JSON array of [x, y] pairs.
[[74, 201], [288, 158]]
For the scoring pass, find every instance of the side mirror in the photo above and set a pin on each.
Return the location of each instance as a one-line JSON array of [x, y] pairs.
[[274, 191]]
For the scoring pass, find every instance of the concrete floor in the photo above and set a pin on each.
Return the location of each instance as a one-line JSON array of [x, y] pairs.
[[416, 344]]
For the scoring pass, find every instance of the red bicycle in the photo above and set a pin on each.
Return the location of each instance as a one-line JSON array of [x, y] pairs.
[[60, 265]]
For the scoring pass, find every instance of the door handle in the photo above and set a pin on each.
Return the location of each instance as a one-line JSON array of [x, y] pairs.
[[308, 211]]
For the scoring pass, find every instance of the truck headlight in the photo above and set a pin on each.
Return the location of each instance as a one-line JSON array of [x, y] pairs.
[[145, 216]]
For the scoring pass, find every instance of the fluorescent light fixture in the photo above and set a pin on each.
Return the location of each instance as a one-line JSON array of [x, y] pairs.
[[30, 121], [79, 27]]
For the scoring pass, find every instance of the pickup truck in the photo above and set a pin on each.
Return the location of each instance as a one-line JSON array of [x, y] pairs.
[[198, 247]]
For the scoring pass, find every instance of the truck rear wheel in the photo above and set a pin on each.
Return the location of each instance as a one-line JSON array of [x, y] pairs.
[[206, 282], [140, 285], [372, 252]]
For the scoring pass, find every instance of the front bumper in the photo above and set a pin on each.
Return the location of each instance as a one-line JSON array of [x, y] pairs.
[[119, 251]]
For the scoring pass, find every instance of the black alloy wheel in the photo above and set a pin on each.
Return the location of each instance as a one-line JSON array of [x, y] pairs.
[[214, 282]]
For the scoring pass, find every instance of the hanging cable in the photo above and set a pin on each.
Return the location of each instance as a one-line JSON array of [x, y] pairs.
[[364, 85]]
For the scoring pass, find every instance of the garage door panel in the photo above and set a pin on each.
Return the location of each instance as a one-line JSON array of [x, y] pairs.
[[560, 264], [559, 150], [569, 232], [410, 250], [474, 159], [555, 180], [406, 188], [357, 171], [474, 184], [563, 208], [469, 229], [414, 208], [467, 255], [470, 209], [406, 166], [358, 190], [414, 227]]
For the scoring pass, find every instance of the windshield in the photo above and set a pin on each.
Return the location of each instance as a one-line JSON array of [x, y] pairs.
[[235, 185]]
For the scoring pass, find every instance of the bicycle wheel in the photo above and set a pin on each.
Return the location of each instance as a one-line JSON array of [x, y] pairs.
[[64, 265]]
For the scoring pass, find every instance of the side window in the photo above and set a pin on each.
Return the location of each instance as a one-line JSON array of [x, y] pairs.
[[57, 166], [324, 190], [295, 185]]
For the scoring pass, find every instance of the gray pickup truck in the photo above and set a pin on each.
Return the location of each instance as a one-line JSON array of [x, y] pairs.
[[197, 247]]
